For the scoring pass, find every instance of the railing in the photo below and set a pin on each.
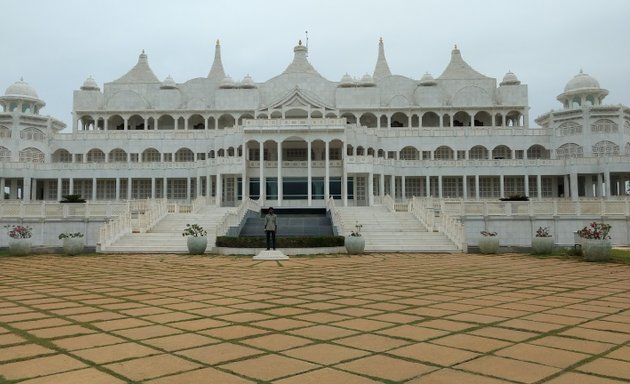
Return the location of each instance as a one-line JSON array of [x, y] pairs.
[[199, 203], [555, 207], [335, 216], [114, 229], [232, 219], [436, 220], [55, 210], [389, 203], [153, 211]]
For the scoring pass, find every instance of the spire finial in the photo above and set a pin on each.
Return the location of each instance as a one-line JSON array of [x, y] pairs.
[[218, 43], [300, 42], [455, 46], [143, 51], [21, 78], [581, 71], [380, 40]]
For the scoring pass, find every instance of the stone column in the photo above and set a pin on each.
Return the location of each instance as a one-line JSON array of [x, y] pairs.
[[129, 187], [165, 188], [574, 186], [261, 162], [440, 188], [344, 187], [526, 184], [427, 185], [588, 185], [219, 189], [381, 185], [153, 192], [326, 170], [465, 186], [477, 193], [59, 188], [392, 187], [607, 183], [279, 158], [117, 188], [600, 185], [188, 184], [2, 181], [209, 186], [26, 189], [403, 188], [501, 186], [309, 186], [567, 191], [71, 186], [539, 186], [94, 189], [371, 189]]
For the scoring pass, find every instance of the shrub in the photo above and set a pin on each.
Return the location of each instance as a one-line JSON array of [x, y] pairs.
[[488, 234], [19, 231], [194, 230], [72, 199], [595, 230], [68, 235], [515, 198], [543, 232], [357, 230]]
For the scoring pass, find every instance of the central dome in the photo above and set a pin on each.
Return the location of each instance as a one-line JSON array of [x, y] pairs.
[[581, 81], [21, 88]]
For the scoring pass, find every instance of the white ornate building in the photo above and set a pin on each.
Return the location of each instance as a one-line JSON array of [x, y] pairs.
[[295, 138]]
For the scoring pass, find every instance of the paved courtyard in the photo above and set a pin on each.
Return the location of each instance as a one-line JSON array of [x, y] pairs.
[[379, 318]]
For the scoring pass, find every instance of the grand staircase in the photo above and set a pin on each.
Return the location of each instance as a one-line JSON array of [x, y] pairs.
[[392, 231], [166, 235]]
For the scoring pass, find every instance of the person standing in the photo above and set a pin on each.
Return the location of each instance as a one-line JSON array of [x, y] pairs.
[[271, 226]]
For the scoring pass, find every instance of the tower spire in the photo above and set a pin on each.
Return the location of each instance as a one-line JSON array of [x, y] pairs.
[[382, 68], [217, 73]]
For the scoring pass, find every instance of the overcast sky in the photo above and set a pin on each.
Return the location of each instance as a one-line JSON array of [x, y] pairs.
[[56, 45]]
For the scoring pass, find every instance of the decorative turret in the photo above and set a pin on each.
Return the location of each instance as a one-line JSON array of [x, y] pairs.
[[381, 69], [300, 63], [227, 83], [90, 85], [367, 81], [248, 82], [22, 93], [427, 80], [168, 83], [346, 81], [217, 74], [140, 73], [582, 90], [458, 69], [510, 79]]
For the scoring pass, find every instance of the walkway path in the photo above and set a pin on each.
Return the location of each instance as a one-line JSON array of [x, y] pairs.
[[408, 318]]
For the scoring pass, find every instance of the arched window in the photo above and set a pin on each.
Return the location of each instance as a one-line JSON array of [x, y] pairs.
[[537, 151], [117, 156], [5, 132], [399, 119], [196, 121], [226, 121], [151, 155], [381, 153], [115, 123], [501, 152], [5, 155], [409, 153], [514, 119], [478, 152], [483, 119], [32, 134], [95, 156], [61, 156], [605, 148], [368, 120], [461, 119], [627, 150], [569, 128], [350, 118], [31, 155], [604, 126], [166, 122], [184, 154], [569, 150], [360, 151], [444, 153], [430, 119]]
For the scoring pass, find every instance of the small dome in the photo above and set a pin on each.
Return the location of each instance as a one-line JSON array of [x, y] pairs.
[[22, 89], [347, 81], [367, 81], [168, 83], [581, 81], [510, 79], [427, 80], [248, 82], [90, 85], [227, 83]]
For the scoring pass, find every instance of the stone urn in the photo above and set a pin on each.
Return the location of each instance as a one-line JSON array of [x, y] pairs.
[[73, 245], [354, 244], [197, 244], [19, 247], [488, 244], [542, 245], [596, 249]]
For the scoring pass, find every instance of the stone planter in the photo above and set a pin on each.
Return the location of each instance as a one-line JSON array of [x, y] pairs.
[[73, 245], [197, 245], [596, 250], [542, 245], [19, 247], [354, 244], [488, 244]]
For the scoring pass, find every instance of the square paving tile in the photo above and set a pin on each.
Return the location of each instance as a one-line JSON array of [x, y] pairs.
[[608, 367], [371, 342], [435, 354], [325, 354], [452, 376], [82, 376], [471, 342], [39, 366], [570, 344], [269, 367], [276, 342], [219, 353], [110, 353], [180, 341], [326, 375], [323, 332], [575, 378], [141, 333], [542, 355], [413, 332], [87, 341], [22, 351], [397, 370], [509, 369], [153, 366]]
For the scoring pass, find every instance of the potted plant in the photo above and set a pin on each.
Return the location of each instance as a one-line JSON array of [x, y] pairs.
[[489, 242], [355, 243], [197, 239], [542, 243], [72, 199], [596, 244], [72, 243], [20, 239]]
